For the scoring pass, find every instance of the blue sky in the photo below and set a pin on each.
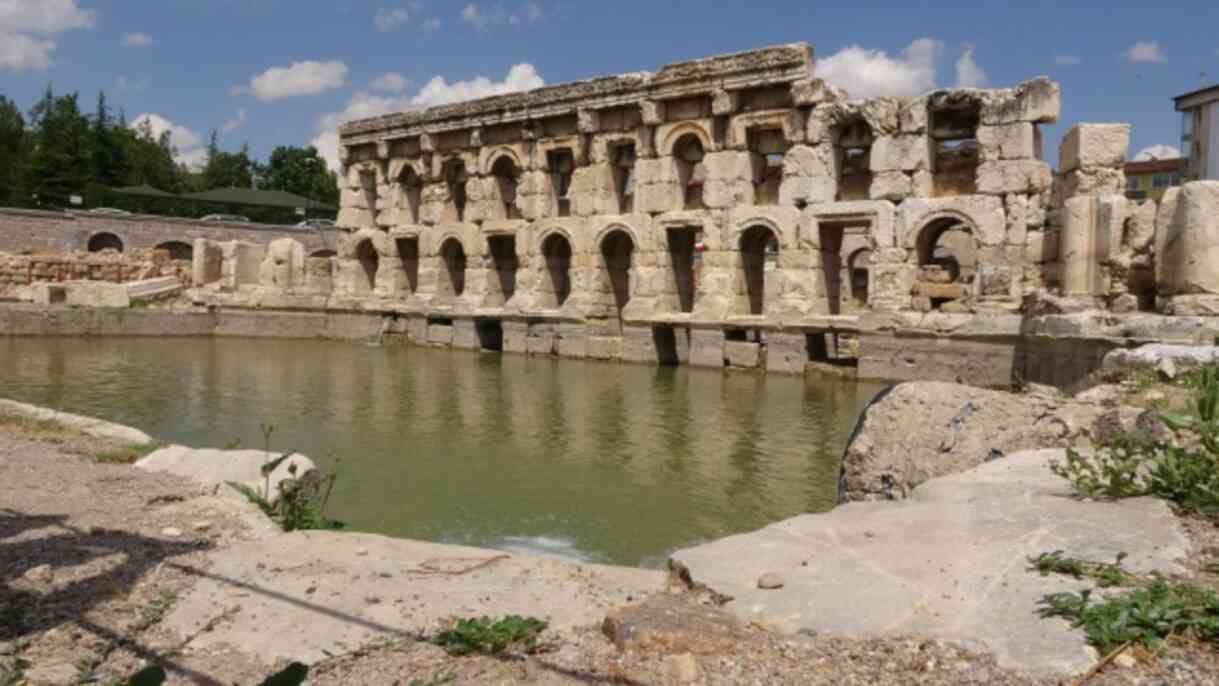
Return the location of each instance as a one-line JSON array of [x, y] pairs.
[[284, 72]]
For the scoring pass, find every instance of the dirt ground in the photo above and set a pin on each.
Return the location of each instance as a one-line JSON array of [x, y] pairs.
[[93, 554]]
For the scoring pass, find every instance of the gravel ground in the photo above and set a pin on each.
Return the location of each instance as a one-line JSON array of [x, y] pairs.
[[92, 555]]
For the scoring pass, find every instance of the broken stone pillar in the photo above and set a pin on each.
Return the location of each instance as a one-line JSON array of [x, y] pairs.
[[1091, 159], [808, 176], [1091, 228], [318, 274], [284, 265], [206, 262], [729, 179], [241, 263], [1187, 248]]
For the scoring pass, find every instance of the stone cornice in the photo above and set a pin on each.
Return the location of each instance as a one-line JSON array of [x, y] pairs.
[[766, 66]]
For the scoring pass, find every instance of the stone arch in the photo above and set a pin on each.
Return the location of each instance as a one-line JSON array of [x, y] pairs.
[[759, 251], [629, 230], [370, 262], [557, 252], [453, 257], [617, 248], [506, 173], [681, 131], [104, 241], [787, 236], [690, 159], [859, 270], [492, 156], [946, 250], [379, 240], [410, 192], [178, 250]]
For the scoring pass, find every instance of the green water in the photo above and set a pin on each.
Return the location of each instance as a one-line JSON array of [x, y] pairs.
[[612, 463]]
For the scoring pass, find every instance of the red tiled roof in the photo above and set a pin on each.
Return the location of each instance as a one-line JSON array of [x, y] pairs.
[[1152, 166]]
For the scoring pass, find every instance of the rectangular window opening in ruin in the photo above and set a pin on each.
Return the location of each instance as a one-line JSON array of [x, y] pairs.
[[664, 338], [411, 188], [740, 335], [853, 155], [562, 165], [767, 148], [622, 157], [832, 265], [455, 177], [439, 321], [408, 253], [368, 184], [956, 152], [681, 254], [816, 347], [504, 262], [490, 334]]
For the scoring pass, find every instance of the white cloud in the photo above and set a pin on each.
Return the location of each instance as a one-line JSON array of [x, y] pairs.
[[438, 91], [1157, 152], [1066, 60], [389, 82], [26, 28], [869, 73], [969, 74], [19, 52], [388, 19], [1145, 51], [137, 40], [521, 77], [188, 146], [301, 78], [47, 17], [483, 18], [238, 121]]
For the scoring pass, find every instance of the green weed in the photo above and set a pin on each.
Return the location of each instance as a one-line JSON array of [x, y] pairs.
[[491, 637], [1105, 574], [1147, 615], [1132, 466]]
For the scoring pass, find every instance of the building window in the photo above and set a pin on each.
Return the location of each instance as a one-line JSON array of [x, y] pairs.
[[1132, 183], [1161, 181]]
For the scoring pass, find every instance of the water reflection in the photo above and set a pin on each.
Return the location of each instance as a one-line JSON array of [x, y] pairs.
[[613, 463]]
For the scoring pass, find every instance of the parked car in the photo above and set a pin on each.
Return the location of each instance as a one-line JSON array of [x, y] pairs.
[[316, 224], [112, 211], [230, 218]]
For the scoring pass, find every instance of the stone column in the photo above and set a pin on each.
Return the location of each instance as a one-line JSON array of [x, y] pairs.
[[1187, 248]]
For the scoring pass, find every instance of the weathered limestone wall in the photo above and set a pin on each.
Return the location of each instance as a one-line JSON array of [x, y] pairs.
[[33, 231]]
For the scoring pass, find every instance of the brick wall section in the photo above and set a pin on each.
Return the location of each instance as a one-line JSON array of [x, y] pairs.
[[32, 231]]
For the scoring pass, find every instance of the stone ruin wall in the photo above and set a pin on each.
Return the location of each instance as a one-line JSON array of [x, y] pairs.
[[737, 198], [19, 272]]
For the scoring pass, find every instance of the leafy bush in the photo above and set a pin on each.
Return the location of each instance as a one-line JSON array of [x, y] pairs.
[[482, 635], [1146, 615]]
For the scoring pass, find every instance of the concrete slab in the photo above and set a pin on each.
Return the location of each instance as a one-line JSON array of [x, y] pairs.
[[87, 425], [306, 595], [949, 563]]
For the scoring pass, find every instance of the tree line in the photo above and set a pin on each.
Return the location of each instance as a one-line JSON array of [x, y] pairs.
[[56, 151]]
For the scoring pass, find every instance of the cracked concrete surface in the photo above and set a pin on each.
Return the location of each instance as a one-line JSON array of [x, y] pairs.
[[950, 563], [309, 595]]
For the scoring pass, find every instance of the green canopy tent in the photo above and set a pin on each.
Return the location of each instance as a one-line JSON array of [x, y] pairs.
[[143, 190], [143, 198], [251, 198]]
